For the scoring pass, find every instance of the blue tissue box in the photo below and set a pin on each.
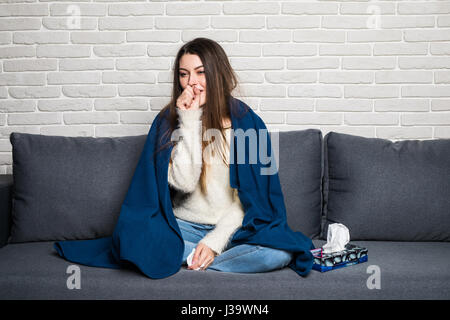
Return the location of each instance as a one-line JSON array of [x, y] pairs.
[[329, 261]]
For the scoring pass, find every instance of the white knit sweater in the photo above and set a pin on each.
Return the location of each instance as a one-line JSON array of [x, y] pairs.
[[221, 205]]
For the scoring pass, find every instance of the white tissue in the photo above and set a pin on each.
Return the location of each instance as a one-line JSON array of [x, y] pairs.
[[189, 260], [337, 237]]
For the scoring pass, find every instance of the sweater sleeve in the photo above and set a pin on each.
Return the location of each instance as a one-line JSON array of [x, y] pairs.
[[185, 169], [228, 224]]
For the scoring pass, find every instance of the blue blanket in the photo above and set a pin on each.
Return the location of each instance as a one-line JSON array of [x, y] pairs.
[[147, 235]]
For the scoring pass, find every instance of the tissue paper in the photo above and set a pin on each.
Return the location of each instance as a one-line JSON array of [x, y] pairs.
[[337, 237], [189, 260]]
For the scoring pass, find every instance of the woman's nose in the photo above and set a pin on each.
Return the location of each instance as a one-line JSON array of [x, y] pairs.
[[192, 80]]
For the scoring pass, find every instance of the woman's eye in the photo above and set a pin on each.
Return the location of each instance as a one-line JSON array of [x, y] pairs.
[[184, 74]]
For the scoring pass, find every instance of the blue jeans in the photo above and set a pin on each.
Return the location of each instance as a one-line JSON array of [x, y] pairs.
[[244, 258]]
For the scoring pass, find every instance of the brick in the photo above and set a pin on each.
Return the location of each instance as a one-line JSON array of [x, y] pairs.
[[256, 63], [440, 104], [248, 8], [320, 118], [224, 22], [312, 63], [371, 91], [121, 104], [328, 91], [34, 92], [303, 7], [343, 105], [426, 91], [371, 118], [368, 63], [128, 77], [81, 9], [73, 77], [424, 7], [17, 52], [145, 90], [289, 49], [402, 105], [289, 104], [11, 106], [292, 22], [99, 91], [125, 23], [62, 51], [17, 65], [126, 50], [374, 35], [137, 117], [192, 8], [442, 77], [29, 9], [35, 118], [420, 119], [442, 133], [318, 36], [190, 22], [423, 62], [345, 77], [291, 77], [345, 50], [396, 133], [91, 117], [395, 49], [427, 35], [86, 64], [79, 104], [135, 9], [405, 76], [95, 37], [38, 37], [265, 36], [16, 23], [22, 79]]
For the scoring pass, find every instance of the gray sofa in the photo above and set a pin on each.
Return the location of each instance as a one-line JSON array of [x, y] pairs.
[[393, 197]]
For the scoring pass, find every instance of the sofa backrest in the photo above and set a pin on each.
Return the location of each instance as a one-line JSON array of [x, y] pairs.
[[384, 190], [71, 188]]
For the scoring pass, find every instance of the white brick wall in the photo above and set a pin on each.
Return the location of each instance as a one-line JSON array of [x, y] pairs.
[[103, 68]]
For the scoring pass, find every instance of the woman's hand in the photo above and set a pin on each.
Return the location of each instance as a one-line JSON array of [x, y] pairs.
[[202, 255], [190, 98]]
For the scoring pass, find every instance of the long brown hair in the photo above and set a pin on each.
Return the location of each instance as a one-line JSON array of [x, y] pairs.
[[221, 80]]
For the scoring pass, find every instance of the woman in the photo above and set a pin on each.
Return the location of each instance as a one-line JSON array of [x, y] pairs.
[[207, 209], [191, 199]]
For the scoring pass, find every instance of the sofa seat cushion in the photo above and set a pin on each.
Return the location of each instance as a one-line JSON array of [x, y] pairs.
[[408, 270]]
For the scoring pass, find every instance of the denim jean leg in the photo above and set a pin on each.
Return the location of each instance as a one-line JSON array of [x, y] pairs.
[[248, 258]]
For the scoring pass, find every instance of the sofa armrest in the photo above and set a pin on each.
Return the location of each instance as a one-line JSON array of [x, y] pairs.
[[6, 185]]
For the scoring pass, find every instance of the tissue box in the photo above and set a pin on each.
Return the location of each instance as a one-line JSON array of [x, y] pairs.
[[329, 261]]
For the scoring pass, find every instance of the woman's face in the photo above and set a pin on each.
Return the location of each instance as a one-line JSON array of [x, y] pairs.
[[191, 71]]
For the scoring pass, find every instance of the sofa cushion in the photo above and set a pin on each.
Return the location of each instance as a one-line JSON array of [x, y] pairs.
[[68, 188], [384, 190], [300, 173], [407, 270]]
